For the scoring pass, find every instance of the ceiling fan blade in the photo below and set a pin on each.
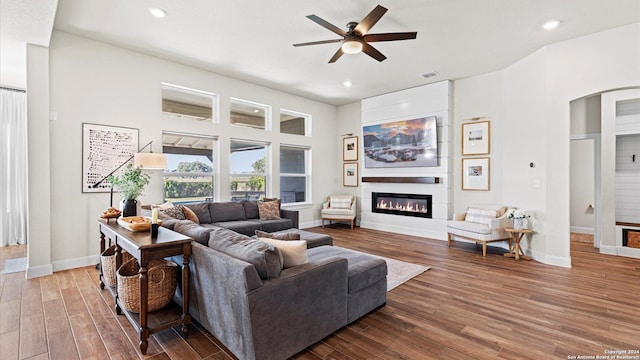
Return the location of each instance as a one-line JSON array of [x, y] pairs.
[[337, 55], [318, 42], [390, 36], [370, 20], [373, 52], [327, 25]]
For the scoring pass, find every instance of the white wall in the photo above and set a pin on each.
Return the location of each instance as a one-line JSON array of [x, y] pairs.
[[628, 178], [428, 100], [582, 176], [534, 102], [98, 83], [38, 155], [479, 96]]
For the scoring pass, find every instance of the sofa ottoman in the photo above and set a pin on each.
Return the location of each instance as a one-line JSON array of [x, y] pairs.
[[367, 278]]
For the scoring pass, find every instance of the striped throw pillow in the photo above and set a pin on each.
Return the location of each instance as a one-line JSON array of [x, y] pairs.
[[340, 203], [480, 216]]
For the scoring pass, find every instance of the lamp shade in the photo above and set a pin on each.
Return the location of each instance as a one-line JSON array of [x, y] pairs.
[[150, 161]]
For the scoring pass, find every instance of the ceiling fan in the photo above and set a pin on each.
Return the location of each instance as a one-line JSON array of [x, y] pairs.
[[356, 39]]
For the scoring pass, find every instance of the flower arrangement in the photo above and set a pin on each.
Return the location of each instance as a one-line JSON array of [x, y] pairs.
[[517, 214], [131, 182]]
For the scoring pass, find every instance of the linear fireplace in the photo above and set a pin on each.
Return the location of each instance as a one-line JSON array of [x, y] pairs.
[[402, 204]]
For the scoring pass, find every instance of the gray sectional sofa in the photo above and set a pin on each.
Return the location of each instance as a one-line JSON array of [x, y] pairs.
[[261, 311], [242, 217]]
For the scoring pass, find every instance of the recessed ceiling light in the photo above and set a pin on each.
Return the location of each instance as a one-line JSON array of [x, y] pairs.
[[157, 12], [551, 24], [347, 83]]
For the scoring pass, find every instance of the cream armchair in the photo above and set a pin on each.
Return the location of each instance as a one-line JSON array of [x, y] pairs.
[[339, 207], [480, 223]]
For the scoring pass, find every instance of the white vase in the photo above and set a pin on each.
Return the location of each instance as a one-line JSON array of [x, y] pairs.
[[519, 224]]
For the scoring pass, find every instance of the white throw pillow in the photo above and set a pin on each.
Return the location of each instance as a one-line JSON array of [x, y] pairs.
[[480, 216], [340, 202], [294, 252]]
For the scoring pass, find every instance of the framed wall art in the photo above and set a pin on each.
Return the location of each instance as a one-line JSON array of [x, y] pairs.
[[104, 148], [475, 138], [350, 148], [350, 174], [403, 143], [475, 174]]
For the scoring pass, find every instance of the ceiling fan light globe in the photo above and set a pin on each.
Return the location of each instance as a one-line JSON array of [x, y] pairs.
[[351, 47]]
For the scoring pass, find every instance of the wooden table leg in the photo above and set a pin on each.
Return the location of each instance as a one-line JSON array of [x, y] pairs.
[[100, 266], [186, 318], [144, 295]]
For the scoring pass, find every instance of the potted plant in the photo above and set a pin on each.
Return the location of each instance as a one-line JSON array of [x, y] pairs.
[[131, 183]]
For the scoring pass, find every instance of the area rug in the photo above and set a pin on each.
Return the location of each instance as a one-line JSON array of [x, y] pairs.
[[399, 272], [14, 265]]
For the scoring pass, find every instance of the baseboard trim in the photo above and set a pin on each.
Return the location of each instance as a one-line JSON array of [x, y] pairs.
[[550, 259], [39, 271], [75, 263], [582, 230]]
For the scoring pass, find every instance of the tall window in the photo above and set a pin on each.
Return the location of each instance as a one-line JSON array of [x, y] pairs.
[[248, 170], [182, 102], [190, 172], [294, 174], [295, 123], [249, 114]]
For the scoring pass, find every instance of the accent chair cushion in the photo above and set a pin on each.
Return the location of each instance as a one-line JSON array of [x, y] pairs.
[[269, 210], [294, 252], [473, 227]]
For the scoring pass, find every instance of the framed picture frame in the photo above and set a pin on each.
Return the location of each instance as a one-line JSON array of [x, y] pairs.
[[350, 174], [475, 138], [104, 148], [401, 143], [350, 148], [475, 174]]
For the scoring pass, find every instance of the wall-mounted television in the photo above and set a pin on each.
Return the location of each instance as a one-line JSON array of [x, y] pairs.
[[403, 143]]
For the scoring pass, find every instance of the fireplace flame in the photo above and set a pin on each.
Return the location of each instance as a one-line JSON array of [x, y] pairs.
[[408, 207]]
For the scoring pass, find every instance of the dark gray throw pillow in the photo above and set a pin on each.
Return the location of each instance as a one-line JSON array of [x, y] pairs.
[[266, 258], [280, 236]]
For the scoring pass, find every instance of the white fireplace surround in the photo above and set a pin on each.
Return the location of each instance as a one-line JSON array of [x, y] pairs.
[[429, 100]]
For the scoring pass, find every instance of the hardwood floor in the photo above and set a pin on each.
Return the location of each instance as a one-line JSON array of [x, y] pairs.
[[466, 307]]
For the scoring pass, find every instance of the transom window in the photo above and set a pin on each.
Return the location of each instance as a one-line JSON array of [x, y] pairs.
[[295, 123], [190, 173], [248, 164], [182, 102], [294, 174], [249, 114]]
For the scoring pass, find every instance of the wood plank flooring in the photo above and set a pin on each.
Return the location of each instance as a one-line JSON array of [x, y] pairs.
[[466, 307]]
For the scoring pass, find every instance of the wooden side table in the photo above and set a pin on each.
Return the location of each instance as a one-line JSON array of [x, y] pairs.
[[515, 250], [144, 248]]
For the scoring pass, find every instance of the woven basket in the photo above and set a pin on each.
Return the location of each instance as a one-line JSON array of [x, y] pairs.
[[108, 264], [163, 279]]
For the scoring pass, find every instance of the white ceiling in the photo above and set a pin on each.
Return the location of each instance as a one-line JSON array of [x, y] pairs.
[[252, 39]]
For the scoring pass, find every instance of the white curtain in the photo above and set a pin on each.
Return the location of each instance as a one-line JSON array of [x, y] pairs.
[[13, 167]]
